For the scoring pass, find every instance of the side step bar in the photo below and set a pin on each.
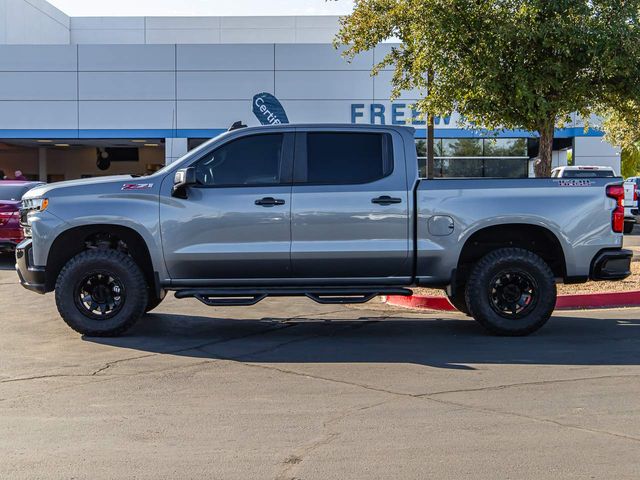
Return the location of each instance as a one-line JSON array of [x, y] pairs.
[[235, 297]]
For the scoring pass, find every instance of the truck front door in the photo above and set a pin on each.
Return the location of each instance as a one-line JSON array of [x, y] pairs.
[[235, 223], [350, 207]]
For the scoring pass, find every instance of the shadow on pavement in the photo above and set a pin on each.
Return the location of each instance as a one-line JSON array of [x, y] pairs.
[[443, 343]]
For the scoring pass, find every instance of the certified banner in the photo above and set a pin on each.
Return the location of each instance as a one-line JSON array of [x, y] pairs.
[[268, 109]]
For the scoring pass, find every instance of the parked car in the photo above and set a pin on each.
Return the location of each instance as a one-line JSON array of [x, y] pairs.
[[583, 171], [336, 213], [631, 213], [11, 192]]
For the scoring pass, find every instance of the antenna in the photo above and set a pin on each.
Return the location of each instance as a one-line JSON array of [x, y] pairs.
[[236, 126]]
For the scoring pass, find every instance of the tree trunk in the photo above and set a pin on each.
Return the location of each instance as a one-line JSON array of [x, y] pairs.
[[542, 167]]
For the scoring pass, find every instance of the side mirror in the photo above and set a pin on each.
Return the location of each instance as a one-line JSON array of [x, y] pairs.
[[182, 179]]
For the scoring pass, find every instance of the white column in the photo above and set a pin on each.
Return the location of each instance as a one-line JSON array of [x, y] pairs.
[[560, 158], [174, 148], [595, 151], [42, 164]]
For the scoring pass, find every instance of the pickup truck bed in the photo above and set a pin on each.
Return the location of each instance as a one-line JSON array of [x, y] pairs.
[[334, 212]]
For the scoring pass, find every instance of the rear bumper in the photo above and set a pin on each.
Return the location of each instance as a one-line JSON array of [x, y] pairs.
[[31, 277], [614, 264]]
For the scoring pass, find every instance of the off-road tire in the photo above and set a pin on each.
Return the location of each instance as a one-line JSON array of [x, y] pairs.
[[122, 267], [481, 289], [628, 227]]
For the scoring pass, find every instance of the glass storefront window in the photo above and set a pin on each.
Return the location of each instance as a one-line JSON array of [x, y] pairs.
[[506, 168], [462, 147], [475, 157], [505, 147], [462, 167], [421, 147]]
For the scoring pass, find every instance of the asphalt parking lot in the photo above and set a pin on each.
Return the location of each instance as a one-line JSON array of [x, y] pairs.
[[293, 390]]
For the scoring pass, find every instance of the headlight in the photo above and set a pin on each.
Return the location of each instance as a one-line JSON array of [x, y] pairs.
[[35, 204], [30, 205]]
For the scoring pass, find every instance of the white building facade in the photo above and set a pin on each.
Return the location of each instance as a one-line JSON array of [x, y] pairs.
[[144, 90]]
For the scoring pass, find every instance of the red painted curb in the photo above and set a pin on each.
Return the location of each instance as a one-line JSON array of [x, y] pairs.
[[565, 302]]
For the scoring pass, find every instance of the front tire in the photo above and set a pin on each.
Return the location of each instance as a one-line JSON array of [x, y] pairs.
[[101, 293], [511, 292]]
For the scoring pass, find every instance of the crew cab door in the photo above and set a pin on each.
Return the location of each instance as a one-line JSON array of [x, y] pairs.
[[235, 222], [350, 206]]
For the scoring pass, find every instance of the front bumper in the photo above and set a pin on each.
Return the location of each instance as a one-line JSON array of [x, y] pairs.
[[31, 277], [614, 264]]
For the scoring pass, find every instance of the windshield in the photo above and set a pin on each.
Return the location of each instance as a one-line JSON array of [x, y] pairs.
[[588, 174], [14, 192]]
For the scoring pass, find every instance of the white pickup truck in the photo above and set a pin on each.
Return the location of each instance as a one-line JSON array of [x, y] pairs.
[[631, 213]]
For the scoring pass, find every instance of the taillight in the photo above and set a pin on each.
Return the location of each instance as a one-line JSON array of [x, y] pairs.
[[635, 192], [617, 218]]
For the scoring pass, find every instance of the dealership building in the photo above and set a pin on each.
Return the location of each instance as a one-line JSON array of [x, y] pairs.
[[88, 96]]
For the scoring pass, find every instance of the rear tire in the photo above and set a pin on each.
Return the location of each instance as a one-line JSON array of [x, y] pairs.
[[511, 292], [628, 227], [101, 293]]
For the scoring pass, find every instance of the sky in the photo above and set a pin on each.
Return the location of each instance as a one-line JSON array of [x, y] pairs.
[[80, 8]]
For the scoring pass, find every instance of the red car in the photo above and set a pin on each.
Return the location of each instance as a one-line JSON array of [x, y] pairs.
[[11, 192]]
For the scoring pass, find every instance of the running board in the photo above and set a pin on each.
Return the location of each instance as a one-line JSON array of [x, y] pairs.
[[236, 297]]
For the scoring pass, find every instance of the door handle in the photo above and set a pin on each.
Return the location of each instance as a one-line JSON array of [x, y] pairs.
[[269, 202], [386, 200]]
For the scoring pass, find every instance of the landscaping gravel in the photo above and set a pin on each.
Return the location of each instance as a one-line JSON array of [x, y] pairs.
[[631, 283]]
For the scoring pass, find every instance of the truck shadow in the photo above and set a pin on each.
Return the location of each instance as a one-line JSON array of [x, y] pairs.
[[444, 343]]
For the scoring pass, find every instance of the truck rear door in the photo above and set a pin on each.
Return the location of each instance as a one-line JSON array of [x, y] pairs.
[[350, 206]]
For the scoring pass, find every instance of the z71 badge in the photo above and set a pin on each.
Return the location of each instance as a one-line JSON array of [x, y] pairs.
[[574, 183], [137, 186]]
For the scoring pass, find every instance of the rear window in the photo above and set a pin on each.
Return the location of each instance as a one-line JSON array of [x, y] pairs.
[[348, 158], [588, 174], [13, 192]]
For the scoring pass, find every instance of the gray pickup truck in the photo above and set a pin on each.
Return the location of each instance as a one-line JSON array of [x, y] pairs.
[[336, 213]]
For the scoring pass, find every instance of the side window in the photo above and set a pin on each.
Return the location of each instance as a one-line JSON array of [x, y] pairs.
[[347, 158], [254, 160]]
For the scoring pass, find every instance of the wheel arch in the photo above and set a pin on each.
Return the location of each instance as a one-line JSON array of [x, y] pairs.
[[79, 238], [533, 237]]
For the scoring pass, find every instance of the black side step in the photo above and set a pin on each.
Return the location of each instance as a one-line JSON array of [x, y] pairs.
[[233, 297]]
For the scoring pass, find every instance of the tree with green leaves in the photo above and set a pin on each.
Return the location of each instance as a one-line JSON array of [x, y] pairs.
[[622, 128], [630, 162], [509, 64]]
